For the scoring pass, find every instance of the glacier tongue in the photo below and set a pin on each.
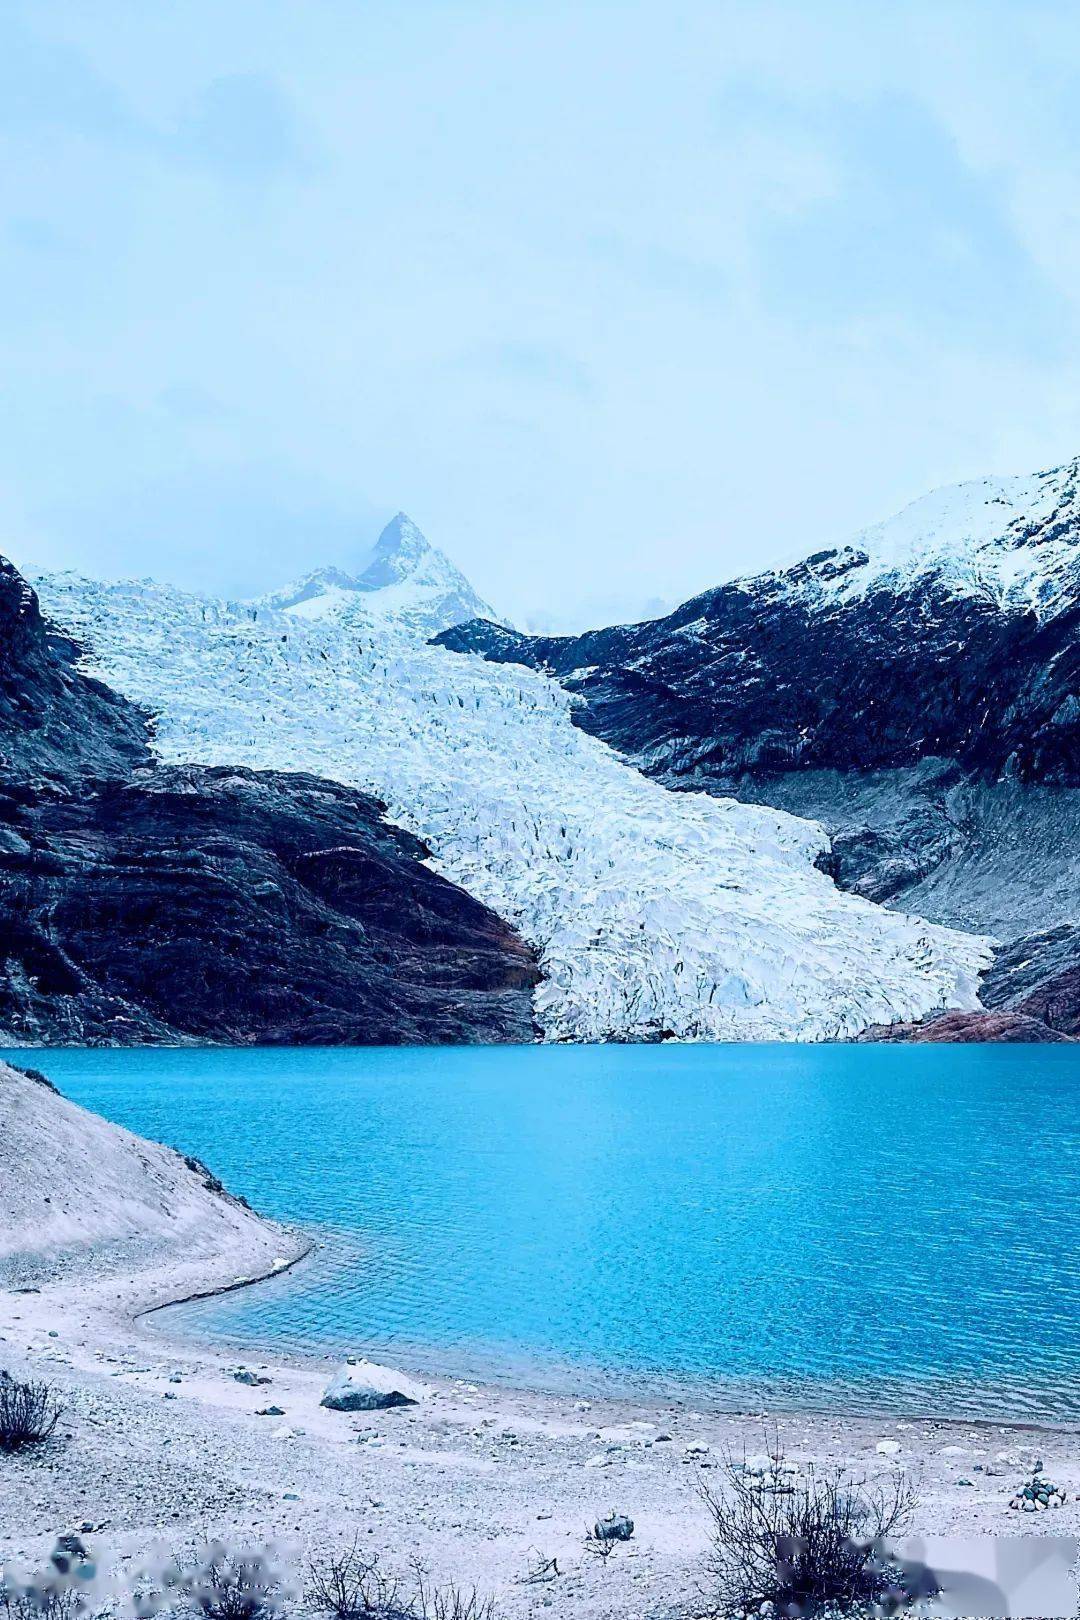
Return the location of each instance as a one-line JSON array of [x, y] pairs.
[[654, 913]]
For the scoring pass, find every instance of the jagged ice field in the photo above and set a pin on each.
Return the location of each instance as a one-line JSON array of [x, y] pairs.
[[654, 914]]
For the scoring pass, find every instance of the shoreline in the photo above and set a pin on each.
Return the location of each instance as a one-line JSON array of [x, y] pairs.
[[473, 1479], [221, 1289], [651, 1390], [661, 1393], [161, 1445]]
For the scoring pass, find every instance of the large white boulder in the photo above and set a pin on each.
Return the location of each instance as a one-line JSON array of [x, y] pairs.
[[364, 1386]]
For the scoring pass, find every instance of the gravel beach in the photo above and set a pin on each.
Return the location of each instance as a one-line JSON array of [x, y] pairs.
[[160, 1444]]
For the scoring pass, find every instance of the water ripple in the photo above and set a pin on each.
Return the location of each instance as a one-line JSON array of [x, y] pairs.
[[887, 1228]]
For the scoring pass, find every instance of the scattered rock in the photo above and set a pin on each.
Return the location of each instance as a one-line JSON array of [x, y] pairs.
[[364, 1386], [1038, 1494], [243, 1376], [616, 1527], [270, 1411]]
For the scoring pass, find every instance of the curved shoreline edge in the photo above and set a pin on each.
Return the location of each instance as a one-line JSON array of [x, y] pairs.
[[681, 1397], [234, 1287]]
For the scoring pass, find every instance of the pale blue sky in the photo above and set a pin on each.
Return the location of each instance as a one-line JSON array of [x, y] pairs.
[[616, 300]]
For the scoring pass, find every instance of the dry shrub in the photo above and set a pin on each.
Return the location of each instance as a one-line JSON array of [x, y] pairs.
[[229, 1585], [29, 1413], [351, 1585], [807, 1543], [448, 1602]]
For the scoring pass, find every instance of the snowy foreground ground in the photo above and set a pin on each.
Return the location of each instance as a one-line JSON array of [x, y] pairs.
[[161, 1448], [653, 913]]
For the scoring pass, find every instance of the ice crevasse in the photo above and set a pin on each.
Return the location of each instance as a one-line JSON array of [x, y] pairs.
[[654, 914]]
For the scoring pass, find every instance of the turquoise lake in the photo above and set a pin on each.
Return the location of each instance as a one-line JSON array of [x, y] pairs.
[[883, 1228]]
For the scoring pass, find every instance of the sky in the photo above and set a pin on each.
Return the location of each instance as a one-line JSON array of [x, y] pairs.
[[616, 300]]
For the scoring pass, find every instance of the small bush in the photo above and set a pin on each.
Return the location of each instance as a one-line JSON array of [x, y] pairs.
[[61, 1591], [229, 1585], [805, 1543], [448, 1602], [38, 1601], [351, 1586], [29, 1412]]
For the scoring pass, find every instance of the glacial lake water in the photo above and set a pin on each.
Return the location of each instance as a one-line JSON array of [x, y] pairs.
[[879, 1228]]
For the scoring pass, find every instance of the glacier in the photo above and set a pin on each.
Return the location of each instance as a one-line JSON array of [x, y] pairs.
[[655, 914]]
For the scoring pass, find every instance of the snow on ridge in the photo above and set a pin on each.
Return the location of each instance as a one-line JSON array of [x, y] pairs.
[[404, 579], [654, 913], [1014, 541]]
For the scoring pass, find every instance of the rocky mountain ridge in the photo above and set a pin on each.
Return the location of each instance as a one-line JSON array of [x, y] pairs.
[[143, 903], [916, 691]]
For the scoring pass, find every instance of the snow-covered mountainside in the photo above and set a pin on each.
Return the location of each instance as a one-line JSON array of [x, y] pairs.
[[1015, 542], [653, 913], [405, 580], [917, 691], [949, 632]]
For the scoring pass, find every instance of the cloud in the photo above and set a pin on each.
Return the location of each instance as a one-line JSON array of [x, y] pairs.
[[909, 232], [46, 84], [529, 364], [242, 126], [625, 299]]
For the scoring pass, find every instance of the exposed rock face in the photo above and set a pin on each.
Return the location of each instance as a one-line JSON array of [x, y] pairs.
[[1038, 976], [140, 902], [54, 721], [967, 1028], [918, 692], [754, 678]]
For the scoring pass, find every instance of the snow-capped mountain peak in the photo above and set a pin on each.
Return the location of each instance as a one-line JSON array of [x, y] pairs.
[[1013, 541], [403, 582], [402, 552]]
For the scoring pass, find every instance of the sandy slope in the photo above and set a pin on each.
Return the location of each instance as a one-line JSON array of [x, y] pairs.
[[81, 1198], [160, 1444]]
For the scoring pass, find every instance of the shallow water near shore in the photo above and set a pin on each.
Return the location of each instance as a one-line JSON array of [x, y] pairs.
[[866, 1229]]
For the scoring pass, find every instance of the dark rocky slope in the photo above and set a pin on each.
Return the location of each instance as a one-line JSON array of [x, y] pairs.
[[756, 680], [930, 721], [147, 903]]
